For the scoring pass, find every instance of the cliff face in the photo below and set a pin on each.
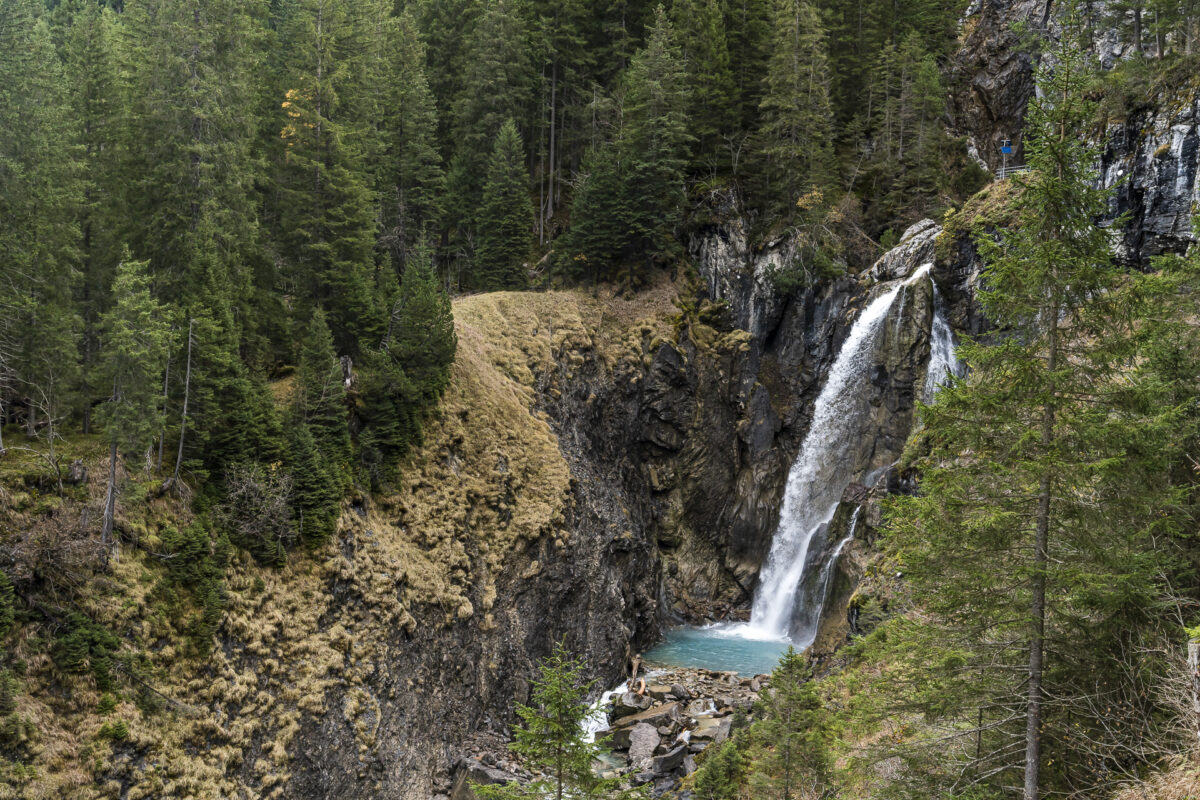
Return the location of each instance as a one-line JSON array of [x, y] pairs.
[[1151, 161]]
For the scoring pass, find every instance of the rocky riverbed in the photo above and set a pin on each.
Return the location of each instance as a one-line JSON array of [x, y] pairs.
[[657, 728]]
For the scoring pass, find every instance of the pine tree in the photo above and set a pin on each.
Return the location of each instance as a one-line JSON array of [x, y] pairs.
[[505, 220], [40, 197], [655, 144], [328, 204], [1039, 540], [791, 760], [316, 491], [795, 135], [722, 774], [412, 180], [134, 355], [713, 111], [551, 737], [321, 395], [600, 225], [91, 68], [421, 333]]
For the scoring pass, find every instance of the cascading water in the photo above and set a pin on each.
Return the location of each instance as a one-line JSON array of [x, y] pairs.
[[942, 360], [796, 578], [820, 474]]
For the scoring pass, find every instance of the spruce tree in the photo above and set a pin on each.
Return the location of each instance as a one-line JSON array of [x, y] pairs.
[[551, 740], [421, 333], [1040, 538], [321, 393], [316, 490], [91, 69], [41, 194], [713, 111], [655, 144], [411, 182], [789, 737], [795, 133], [328, 202], [134, 354], [505, 220]]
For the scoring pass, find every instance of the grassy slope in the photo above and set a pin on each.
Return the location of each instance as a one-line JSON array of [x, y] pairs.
[[489, 476]]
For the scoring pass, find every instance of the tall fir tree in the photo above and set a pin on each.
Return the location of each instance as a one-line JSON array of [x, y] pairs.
[[789, 739], [713, 109], [505, 219], [1042, 534], [90, 65], [795, 133], [41, 194], [411, 182], [321, 394], [329, 206], [655, 144], [134, 355]]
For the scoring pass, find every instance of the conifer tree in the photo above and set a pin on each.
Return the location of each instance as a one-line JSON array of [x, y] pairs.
[[1038, 541], [321, 396], [316, 491], [791, 760], [134, 354], [412, 180], [655, 144], [40, 197], [550, 737], [328, 202], [712, 112], [421, 328], [91, 69], [505, 220], [796, 119]]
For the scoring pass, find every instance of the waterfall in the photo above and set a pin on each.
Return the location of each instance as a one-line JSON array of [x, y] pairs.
[[817, 479], [942, 360]]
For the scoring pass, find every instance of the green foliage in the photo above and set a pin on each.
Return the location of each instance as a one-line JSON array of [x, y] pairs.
[[86, 646], [721, 775], [795, 129], [135, 336], [505, 219], [316, 491], [1054, 490], [321, 393], [790, 757], [116, 731], [7, 604], [550, 737]]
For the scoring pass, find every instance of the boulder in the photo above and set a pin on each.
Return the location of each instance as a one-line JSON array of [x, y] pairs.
[[659, 691], [680, 692], [714, 730], [643, 741], [655, 716], [670, 762], [627, 704]]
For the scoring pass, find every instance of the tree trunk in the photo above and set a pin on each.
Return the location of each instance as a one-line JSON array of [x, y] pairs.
[[187, 383], [1194, 668], [110, 500], [162, 433], [1037, 610]]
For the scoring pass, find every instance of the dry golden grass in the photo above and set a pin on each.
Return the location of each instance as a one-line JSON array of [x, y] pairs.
[[489, 479]]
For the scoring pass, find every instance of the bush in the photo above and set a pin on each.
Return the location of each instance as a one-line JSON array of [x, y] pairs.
[[256, 511]]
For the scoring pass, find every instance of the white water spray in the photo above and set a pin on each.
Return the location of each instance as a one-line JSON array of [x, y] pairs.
[[820, 474]]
